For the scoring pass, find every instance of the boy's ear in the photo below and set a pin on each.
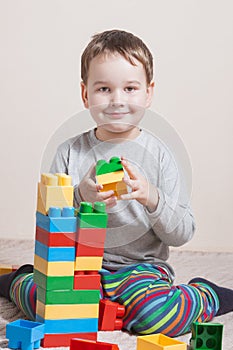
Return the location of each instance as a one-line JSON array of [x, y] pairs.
[[150, 93], [84, 94]]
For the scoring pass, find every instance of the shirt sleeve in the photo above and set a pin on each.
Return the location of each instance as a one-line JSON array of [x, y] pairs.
[[172, 221]]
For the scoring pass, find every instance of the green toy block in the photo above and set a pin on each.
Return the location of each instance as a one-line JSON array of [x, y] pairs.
[[103, 167], [92, 217], [68, 296], [206, 336], [52, 282]]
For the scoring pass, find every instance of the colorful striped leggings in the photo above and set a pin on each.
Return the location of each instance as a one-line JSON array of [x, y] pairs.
[[153, 304]]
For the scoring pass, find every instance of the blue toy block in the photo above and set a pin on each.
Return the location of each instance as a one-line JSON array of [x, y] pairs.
[[25, 335], [54, 253], [79, 325], [57, 220]]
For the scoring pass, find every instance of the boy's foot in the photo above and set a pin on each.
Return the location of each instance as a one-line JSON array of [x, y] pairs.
[[225, 295], [6, 280]]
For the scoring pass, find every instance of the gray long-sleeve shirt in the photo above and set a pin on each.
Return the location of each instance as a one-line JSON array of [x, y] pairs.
[[134, 234]]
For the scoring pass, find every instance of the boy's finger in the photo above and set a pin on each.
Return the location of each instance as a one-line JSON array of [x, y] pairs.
[[111, 202], [106, 195], [131, 183], [129, 196], [130, 169]]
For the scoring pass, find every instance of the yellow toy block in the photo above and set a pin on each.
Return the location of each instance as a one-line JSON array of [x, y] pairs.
[[54, 191], [67, 311], [48, 268], [4, 269], [159, 342], [113, 181], [88, 263], [115, 176]]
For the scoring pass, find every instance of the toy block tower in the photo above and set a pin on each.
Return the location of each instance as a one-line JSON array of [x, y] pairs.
[[110, 176], [66, 304], [91, 233], [206, 336]]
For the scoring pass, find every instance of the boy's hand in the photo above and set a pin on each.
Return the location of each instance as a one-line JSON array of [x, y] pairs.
[[142, 190], [89, 190]]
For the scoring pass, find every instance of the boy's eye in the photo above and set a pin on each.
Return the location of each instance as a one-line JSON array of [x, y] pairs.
[[104, 89], [130, 89]]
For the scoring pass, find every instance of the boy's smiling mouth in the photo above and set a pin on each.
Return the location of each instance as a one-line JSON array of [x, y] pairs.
[[116, 115]]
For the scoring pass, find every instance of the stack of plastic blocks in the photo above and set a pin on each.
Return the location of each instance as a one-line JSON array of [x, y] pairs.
[[67, 306], [110, 176], [206, 336], [159, 342]]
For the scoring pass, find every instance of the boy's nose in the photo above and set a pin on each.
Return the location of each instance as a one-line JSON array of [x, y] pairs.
[[117, 99]]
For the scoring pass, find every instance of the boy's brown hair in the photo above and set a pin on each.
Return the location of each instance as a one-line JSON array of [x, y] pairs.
[[117, 41]]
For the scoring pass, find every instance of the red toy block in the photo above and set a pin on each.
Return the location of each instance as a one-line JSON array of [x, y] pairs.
[[86, 281], [110, 315], [87, 250], [76, 344], [92, 237], [55, 340], [55, 239]]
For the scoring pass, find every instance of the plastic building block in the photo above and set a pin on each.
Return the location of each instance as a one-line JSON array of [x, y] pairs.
[[25, 335], [93, 237], [110, 176], [55, 340], [103, 167], [206, 336], [110, 315], [54, 190], [55, 239], [53, 282], [77, 325], [87, 250], [86, 281], [53, 268], [68, 296], [57, 220], [54, 253], [4, 269], [159, 342], [72, 311], [92, 217], [84, 263], [76, 344]]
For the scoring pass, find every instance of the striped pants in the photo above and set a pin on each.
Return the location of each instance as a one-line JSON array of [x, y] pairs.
[[153, 304]]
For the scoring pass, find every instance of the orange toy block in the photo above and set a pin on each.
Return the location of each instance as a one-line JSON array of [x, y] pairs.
[[5, 269], [110, 315], [113, 181], [78, 344]]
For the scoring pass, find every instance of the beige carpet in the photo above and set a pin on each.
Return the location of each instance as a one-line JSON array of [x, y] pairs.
[[215, 266]]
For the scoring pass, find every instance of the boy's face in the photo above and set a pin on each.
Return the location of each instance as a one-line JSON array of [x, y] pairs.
[[117, 94]]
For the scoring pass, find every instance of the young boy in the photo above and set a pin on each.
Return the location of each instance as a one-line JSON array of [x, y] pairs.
[[117, 87]]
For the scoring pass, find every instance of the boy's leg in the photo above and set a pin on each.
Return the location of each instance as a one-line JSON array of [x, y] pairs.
[[153, 305], [19, 287], [225, 295]]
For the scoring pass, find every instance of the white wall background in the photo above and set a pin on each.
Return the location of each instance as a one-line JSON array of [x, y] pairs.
[[40, 46]]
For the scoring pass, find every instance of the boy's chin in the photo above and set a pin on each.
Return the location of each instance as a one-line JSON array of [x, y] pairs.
[[118, 128]]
